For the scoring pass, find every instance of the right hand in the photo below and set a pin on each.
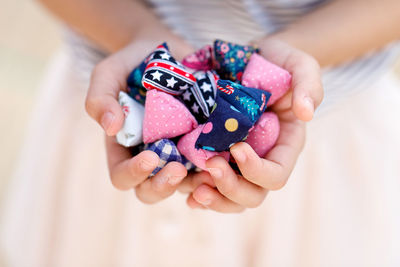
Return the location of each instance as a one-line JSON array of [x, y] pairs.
[[127, 172]]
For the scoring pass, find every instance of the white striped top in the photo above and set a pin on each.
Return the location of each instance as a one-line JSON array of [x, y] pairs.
[[240, 21]]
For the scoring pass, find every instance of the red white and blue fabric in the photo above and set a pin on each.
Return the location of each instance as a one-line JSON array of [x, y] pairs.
[[200, 98], [166, 74], [134, 81]]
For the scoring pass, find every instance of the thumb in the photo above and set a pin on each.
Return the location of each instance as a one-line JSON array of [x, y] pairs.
[[108, 78], [307, 86]]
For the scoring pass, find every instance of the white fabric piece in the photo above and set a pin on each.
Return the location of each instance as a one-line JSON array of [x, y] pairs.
[[131, 133]]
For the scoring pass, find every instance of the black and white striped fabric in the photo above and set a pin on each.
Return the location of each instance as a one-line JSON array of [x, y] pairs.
[[200, 98]]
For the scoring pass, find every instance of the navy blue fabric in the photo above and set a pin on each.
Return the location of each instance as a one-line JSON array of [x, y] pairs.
[[250, 101], [134, 81], [168, 152], [231, 59], [236, 110], [164, 73], [200, 97]]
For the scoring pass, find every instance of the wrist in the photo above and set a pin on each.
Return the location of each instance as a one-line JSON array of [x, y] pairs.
[[293, 40]]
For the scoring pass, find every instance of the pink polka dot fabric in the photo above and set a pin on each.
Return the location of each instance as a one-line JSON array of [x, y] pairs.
[[200, 59], [262, 74], [264, 134], [186, 146], [165, 117]]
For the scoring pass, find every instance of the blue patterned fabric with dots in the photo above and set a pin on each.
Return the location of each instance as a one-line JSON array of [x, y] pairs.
[[236, 110]]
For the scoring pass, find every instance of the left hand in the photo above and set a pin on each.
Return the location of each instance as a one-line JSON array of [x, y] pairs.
[[221, 189]]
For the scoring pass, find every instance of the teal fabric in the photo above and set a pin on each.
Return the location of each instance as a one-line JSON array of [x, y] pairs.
[[231, 59]]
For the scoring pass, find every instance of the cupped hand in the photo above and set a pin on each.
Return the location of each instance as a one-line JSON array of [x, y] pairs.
[[127, 172], [222, 189]]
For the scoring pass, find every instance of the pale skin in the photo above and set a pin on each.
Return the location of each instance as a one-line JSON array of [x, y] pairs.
[[336, 32]]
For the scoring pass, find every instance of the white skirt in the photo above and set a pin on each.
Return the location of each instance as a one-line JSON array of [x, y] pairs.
[[341, 206]]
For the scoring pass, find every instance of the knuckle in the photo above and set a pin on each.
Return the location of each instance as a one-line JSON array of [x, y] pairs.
[[257, 201], [100, 68], [118, 185], [229, 189], [312, 62], [239, 209], [254, 203], [158, 188], [141, 196], [277, 184], [92, 103]]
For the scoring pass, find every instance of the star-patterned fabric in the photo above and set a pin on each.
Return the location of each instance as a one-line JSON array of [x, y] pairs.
[[178, 97], [165, 74], [134, 81], [236, 110], [200, 59], [165, 117], [231, 59], [186, 146], [262, 74], [167, 152], [200, 98], [131, 132]]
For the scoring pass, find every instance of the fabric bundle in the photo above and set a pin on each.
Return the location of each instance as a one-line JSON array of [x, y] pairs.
[[199, 108]]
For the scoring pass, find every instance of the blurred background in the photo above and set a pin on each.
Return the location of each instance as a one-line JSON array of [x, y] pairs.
[[29, 36]]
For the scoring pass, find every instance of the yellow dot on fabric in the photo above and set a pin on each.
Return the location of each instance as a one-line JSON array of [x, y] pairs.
[[231, 125]]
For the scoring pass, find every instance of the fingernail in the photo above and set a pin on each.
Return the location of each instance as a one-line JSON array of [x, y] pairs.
[[146, 165], [309, 103], [106, 121], [216, 173], [160, 181], [174, 180], [239, 156], [205, 202]]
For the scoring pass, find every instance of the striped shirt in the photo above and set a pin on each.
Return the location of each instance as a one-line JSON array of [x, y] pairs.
[[240, 21]]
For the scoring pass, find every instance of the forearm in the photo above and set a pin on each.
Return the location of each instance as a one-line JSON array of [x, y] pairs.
[[112, 23], [344, 29]]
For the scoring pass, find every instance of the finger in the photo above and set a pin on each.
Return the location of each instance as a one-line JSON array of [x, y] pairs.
[[235, 187], [306, 84], [306, 76], [126, 171], [193, 204], [273, 171], [108, 79], [193, 180], [212, 199], [163, 184]]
